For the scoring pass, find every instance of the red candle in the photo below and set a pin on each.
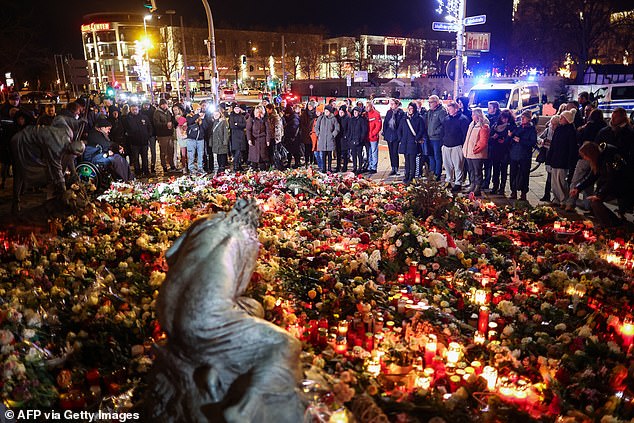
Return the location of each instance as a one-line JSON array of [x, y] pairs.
[[483, 319], [413, 270]]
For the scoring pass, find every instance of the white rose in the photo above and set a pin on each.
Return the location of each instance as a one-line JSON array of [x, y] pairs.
[[428, 252], [437, 240]]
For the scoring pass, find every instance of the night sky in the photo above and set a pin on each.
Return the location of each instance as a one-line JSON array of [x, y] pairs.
[[58, 27]]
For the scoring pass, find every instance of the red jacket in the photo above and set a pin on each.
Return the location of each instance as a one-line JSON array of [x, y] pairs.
[[374, 125]]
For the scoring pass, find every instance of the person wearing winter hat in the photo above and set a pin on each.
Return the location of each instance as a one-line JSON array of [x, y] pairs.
[[562, 157], [326, 130], [356, 133]]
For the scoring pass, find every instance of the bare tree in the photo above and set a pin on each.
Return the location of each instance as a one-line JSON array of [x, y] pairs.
[[166, 61]]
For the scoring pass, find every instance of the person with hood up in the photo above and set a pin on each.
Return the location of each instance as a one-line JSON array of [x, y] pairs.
[[292, 139], [411, 133], [306, 123], [326, 129], [476, 149], [356, 132], [562, 156]]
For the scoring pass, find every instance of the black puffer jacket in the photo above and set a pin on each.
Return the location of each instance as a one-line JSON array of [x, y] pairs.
[[357, 131], [563, 151]]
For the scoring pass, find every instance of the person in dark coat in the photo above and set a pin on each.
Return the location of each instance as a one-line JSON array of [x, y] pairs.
[[608, 171], [257, 136], [411, 133], [218, 143], [587, 132], [117, 131], [463, 103], [493, 113], [306, 121], [391, 124], [138, 132], [163, 124], [100, 150], [499, 148], [291, 135], [148, 110], [355, 137], [523, 140], [345, 149], [237, 127], [47, 116], [433, 121], [562, 156]]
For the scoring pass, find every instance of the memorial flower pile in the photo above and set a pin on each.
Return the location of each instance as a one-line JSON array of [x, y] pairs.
[[410, 304]]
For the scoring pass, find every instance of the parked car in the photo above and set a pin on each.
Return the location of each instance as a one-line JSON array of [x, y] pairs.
[[228, 95], [250, 91], [40, 97], [381, 104]]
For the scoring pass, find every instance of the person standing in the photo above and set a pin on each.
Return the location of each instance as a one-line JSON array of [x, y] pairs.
[[411, 133], [493, 113], [164, 127], [318, 157], [148, 110], [258, 139], [476, 149], [196, 128], [357, 130], [374, 130], [291, 134], [391, 123], [434, 119], [544, 140], [454, 131], [562, 156], [219, 142], [523, 140], [276, 134], [326, 129], [237, 126], [178, 112], [343, 145], [500, 141], [138, 132], [306, 121]]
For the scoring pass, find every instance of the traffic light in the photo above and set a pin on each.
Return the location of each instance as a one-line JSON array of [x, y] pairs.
[[251, 68], [150, 5], [109, 92], [168, 86], [244, 59]]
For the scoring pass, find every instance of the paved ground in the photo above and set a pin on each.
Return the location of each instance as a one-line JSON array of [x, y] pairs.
[[537, 182]]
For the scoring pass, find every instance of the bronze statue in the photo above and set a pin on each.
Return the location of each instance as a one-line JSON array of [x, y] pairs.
[[222, 361]]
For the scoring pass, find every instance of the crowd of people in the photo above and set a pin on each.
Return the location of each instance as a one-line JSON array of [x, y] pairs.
[[445, 139]]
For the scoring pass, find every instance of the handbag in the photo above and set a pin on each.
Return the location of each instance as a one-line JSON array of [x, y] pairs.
[[541, 155], [280, 156]]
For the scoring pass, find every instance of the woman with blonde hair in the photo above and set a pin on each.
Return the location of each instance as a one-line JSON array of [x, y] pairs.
[[475, 149], [543, 141]]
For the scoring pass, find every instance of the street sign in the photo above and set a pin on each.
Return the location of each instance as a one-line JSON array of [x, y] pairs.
[[444, 26], [451, 69], [475, 20], [472, 53], [478, 41], [348, 81], [446, 52], [360, 76], [311, 86]]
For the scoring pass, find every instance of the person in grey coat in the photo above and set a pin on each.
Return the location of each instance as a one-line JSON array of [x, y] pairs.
[[219, 142], [326, 129], [433, 120]]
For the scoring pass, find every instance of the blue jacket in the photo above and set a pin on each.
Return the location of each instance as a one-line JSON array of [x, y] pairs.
[[523, 150], [454, 130], [196, 131], [391, 133], [408, 142]]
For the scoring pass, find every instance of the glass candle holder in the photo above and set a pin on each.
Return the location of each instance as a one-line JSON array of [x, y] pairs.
[[490, 374]]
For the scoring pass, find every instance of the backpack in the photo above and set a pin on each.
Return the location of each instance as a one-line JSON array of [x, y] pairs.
[[193, 131]]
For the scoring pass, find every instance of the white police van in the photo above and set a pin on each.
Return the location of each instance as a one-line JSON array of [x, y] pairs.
[[611, 96], [515, 96]]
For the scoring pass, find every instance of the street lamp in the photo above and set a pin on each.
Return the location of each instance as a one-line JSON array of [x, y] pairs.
[[147, 54], [211, 46]]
